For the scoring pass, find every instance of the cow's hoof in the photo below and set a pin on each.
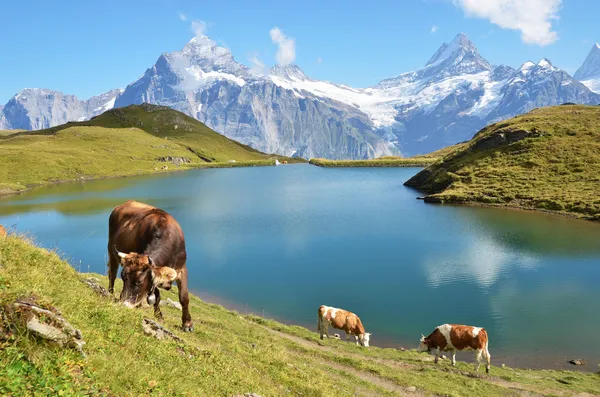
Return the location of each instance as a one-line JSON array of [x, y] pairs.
[[188, 328]]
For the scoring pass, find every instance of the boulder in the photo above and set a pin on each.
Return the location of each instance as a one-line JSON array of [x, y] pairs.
[[174, 160], [44, 323], [577, 362]]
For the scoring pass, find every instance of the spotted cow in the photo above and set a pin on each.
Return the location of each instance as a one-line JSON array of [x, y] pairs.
[[452, 337], [344, 320]]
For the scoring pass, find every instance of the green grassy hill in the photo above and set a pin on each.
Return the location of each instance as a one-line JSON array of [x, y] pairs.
[[227, 354], [547, 159], [124, 141]]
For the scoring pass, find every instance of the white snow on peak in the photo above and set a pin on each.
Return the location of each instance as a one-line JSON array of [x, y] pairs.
[[202, 76], [205, 47], [545, 63], [448, 50], [592, 84], [291, 72], [526, 66]]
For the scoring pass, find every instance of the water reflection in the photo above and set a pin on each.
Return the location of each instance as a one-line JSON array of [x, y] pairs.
[[481, 261]]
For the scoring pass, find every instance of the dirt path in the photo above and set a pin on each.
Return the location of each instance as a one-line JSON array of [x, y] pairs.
[[365, 376], [511, 387]]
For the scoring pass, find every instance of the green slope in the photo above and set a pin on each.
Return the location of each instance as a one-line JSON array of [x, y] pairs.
[[228, 353], [547, 159], [124, 141]]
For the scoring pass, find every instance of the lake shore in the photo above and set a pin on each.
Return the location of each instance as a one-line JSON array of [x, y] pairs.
[[186, 167], [380, 162], [507, 206]]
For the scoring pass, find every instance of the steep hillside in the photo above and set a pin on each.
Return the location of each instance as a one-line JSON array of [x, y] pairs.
[[547, 159], [126, 141], [227, 354]]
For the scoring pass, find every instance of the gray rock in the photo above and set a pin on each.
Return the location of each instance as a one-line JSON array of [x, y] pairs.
[[171, 303], [152, 328], [174, 160], [411, 389], [94, 284], [577, 362], [46, 324]]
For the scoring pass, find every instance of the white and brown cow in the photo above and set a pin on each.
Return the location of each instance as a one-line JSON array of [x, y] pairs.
[[344, 320], [452, 337]]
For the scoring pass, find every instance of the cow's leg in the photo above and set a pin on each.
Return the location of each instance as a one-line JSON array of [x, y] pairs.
[[184, 299], [488, 359], [478, 354], [454, 358], [436, 352], [157, 313], [113, 268]]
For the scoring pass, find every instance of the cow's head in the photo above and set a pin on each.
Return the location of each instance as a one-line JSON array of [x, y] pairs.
[[141, 277], [423, 344], [363, 339]]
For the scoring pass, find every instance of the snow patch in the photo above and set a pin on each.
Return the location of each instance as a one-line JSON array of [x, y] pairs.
[[201, 75]]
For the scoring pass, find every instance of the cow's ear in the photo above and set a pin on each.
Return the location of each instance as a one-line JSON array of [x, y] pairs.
[[164, 274]]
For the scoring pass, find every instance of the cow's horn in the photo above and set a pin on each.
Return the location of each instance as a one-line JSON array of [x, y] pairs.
[[150, 261], [122, 255]]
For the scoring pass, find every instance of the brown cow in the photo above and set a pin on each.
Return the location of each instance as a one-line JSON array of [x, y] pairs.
[[2, 231], [149, 244], [452, 337], [344, 320]]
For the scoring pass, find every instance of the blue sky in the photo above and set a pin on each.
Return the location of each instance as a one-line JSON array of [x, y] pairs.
[[88, 47]]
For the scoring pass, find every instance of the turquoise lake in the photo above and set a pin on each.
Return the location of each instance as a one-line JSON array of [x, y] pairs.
[[280, 241]]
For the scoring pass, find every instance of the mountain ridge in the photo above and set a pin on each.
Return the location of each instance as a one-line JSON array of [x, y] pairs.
[[456, 93]]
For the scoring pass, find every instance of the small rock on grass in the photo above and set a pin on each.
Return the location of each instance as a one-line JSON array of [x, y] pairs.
[[246, 395], [170, 302], [577, 362], [411, 389]]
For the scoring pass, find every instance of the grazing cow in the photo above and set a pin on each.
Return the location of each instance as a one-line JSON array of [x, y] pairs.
[[452, 337], [344, 320], [2, 231], [150, 245]]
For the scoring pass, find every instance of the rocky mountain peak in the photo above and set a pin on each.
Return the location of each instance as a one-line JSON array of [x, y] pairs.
[[590, 69], [289, 72]]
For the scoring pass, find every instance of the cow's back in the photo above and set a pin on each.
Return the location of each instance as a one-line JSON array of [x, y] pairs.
[[142, 228]]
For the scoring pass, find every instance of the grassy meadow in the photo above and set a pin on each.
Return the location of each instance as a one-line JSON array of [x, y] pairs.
[[227, 354], [547, 159]]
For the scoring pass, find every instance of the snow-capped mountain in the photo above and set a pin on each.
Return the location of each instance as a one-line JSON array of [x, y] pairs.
[[272, 113], [36, 108], [589, 72], [454, 95]]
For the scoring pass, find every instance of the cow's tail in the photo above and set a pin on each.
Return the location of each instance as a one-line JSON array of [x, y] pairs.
[[320, 314]]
